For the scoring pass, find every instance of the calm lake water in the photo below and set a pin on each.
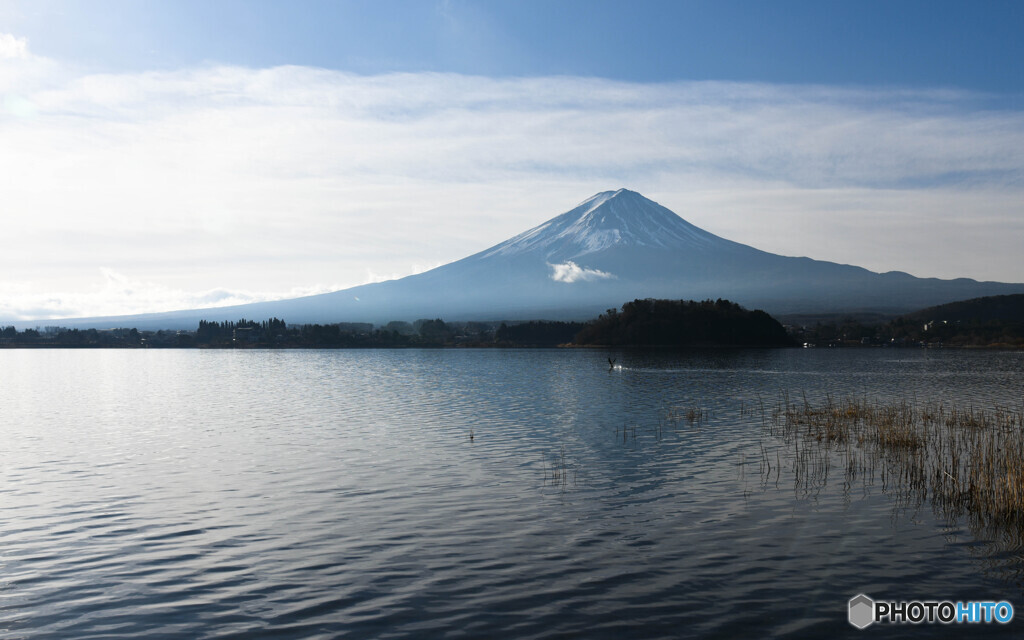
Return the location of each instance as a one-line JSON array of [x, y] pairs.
[[464, 493]]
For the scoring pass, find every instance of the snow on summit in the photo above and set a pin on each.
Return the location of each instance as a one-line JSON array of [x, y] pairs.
[[603, 221]]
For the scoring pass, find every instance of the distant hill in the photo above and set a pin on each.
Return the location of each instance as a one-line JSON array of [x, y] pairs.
[[978, 322], [614, 246], [1007, 309], [989, 321]]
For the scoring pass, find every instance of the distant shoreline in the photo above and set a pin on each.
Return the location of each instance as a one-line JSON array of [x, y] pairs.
[[514, 347], [995, 323]]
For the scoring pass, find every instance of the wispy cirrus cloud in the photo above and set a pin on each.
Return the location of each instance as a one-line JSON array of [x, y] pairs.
[[263, 180]]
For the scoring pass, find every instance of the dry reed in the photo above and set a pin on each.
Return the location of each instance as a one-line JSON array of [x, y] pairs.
[[965, 461]]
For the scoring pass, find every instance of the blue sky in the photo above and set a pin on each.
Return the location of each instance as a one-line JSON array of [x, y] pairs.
[[936, 43], [160, 155]]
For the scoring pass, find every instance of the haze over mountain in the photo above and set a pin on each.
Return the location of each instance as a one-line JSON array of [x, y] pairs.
[[613, 247]]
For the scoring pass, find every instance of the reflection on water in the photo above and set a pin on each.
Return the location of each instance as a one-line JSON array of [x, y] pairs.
[[472, 493]]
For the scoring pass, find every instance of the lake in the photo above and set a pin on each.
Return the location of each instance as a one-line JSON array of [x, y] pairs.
[[466, 493]]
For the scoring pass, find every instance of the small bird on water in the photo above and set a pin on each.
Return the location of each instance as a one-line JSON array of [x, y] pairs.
[[611, 364]]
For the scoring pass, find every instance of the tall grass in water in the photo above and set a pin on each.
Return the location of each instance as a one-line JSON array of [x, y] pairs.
[[965, 461], [559, 470], [692, 415]]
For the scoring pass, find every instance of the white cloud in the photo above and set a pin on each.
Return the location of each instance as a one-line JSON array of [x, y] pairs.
[[117, 294], [257, 181], [571, 272], [12, 47]]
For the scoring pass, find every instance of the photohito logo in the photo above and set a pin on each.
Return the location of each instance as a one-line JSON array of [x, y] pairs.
[[864, 611]]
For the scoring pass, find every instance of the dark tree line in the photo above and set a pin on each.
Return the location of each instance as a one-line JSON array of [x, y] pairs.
[[538, 333], [212, 333], [641, 323], [277, 333], [62, 337]]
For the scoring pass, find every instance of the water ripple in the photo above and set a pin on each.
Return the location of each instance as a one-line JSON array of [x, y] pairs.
[[339, 493]]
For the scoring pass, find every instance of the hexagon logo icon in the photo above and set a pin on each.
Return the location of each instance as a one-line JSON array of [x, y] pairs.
[[862, 611]]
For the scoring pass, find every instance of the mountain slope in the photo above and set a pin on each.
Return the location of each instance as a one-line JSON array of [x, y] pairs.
[[614, 247]]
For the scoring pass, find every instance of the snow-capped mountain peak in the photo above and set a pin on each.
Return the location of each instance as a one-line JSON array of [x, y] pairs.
[[603, 221], [613, 247]]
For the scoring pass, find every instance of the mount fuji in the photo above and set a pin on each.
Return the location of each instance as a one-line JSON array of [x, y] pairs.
[[611, 248]]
